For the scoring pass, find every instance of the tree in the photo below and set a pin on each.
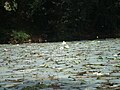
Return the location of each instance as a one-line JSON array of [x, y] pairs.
[[61, 19]]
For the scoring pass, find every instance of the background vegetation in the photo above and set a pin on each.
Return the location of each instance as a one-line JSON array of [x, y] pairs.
[[57, 20]]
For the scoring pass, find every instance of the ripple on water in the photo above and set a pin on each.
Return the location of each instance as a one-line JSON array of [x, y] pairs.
[[85, 65]]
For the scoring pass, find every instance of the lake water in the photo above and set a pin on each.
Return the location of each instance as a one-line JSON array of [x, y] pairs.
[[82, 65]]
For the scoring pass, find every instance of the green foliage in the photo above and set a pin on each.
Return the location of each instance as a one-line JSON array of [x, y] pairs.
[[19, 36]]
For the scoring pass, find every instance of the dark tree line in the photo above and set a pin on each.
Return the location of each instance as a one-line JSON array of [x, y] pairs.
[[61, 19]]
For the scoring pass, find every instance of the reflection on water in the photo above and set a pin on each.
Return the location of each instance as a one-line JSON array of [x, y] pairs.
[[85, 65]]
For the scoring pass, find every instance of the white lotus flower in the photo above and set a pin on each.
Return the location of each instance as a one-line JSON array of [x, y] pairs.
[[115, 55], [66, 46], [98, 74], [5, 50], [17, 44], [61, 48], [97, 37], [64, 43]]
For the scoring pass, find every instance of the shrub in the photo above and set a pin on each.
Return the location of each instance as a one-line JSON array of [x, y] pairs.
[[19, 37]]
